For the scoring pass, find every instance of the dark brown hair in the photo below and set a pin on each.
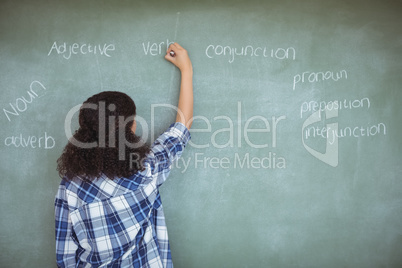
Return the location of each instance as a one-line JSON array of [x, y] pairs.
[[104, 142]]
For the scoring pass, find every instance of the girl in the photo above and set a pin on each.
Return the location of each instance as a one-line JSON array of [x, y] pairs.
[[108, 209]]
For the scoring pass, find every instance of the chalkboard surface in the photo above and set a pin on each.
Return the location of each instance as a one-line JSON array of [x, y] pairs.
[[295, 157]]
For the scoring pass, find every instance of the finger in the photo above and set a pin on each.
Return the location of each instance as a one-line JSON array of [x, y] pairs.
[[169, 58], [170, 52], [172, 46], [178, 46]]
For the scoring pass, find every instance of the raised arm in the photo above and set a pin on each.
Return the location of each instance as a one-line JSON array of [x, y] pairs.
[[185, 106]]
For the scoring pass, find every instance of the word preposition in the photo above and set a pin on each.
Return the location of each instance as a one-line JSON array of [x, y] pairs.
[[322, 106]]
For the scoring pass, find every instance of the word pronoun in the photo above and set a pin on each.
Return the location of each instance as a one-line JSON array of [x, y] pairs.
[[213, 51], [81, 49], [312, 77], [21, 104], [155, 49], [43, 142]]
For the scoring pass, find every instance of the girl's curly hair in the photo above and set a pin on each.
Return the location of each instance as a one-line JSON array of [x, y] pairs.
[[104, 142]]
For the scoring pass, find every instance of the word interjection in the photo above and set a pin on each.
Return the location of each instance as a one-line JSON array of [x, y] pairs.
[[350, 131]]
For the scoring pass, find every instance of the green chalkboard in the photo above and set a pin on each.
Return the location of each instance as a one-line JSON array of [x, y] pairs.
[[295, 157]]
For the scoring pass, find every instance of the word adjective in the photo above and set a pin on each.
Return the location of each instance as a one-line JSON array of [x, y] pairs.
[[279, 53], [358, 131], [155, 49], [43, 142], [319, 76], [323, 106], [21, 104], [82, 49]]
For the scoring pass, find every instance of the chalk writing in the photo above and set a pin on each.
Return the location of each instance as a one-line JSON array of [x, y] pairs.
[[21, 104], [312, 77], [43, 142], [213, 51], [357, 131], [322, 106], [331, 154], [81, 49], [155, 49]]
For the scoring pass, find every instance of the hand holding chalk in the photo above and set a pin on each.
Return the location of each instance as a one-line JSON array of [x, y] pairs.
[[179, 57]]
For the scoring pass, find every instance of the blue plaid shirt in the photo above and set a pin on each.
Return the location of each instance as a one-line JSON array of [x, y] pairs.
[[118, 223]]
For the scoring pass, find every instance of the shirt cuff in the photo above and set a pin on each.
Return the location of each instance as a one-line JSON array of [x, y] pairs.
[[180, 131]]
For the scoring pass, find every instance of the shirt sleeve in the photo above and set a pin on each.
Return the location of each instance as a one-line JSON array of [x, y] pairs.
[[167, 148], [66, 245]]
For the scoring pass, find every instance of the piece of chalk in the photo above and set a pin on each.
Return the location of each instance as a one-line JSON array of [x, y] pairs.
[[172, 53]]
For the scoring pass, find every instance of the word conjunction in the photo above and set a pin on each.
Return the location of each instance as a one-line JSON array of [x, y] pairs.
[[213, 51]]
